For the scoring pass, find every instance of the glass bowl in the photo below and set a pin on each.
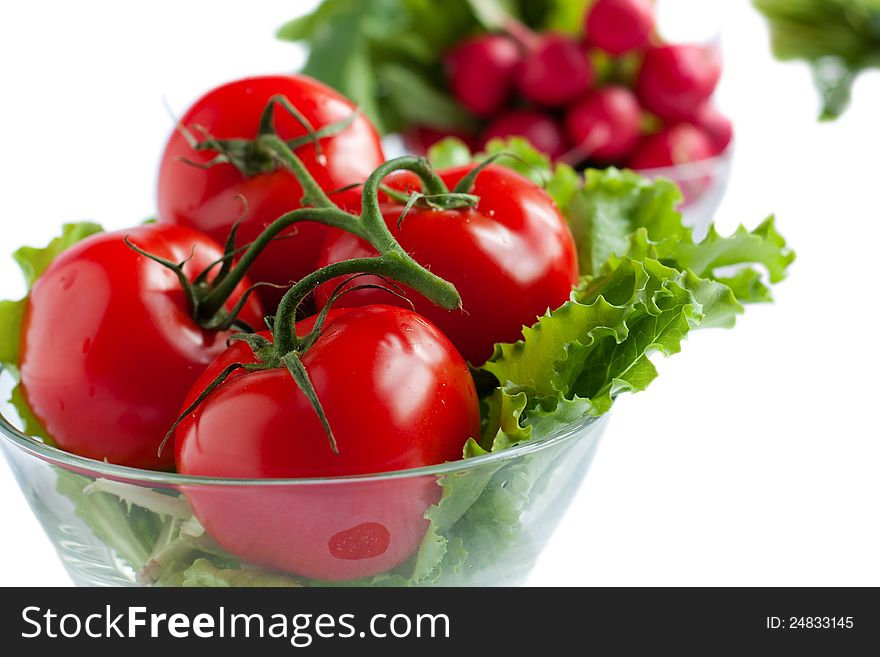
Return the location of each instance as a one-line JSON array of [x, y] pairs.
[[490, 518]]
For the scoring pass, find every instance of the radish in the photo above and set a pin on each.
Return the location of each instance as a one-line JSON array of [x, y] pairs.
[[676, 79], [540, 129], [680, 144], [419, 138], [481, 72], [606, 126], [716, 125], [619, 26], [556, 71]]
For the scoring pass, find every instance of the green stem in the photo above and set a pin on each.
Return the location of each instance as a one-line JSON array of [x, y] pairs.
[[371, 213], [312, 192], [211, 304], [371, 228], [391, 264]]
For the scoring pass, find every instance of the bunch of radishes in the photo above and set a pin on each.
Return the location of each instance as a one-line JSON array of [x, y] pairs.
[[618, 95]]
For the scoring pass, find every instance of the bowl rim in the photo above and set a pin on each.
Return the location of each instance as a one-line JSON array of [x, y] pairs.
[[34, 446]]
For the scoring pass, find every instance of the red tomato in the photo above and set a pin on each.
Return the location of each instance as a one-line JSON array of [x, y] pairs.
[[397, 395], [206, 198], [511, 258], [108, 347]]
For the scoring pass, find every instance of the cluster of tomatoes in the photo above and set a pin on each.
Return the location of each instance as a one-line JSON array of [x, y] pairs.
[[646, 105], [127, 331]]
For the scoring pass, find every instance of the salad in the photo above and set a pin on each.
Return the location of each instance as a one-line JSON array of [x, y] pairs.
[[304, 309]]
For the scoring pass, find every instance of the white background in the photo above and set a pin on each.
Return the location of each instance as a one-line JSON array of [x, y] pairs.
[[752, 460]]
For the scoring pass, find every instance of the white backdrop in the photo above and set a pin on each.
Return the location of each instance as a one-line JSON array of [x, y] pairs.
[[752, 460]]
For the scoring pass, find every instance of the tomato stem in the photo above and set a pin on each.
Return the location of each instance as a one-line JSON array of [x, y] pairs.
[[214, 301], [392, 264], [370, 227], [312, 193]]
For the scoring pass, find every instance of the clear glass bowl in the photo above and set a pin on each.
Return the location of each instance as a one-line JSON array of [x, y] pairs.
[[119, 526]]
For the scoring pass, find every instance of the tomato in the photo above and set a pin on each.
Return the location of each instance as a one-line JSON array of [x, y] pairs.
[[108, 347], [511, 258], [206, 198], [396, 394]]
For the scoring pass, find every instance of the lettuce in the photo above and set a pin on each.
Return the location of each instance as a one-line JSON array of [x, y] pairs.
[[646, 285], [839, 38]]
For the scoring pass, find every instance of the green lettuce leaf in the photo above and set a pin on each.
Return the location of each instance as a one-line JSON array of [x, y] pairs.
[[204, 573], [611, 205], [449, 152], [11, 317], [569, 366], [560, 181], [839, 38], [30, 425], [598, 344], [130, 531], [763, 246], [33, 262], [620, 214]]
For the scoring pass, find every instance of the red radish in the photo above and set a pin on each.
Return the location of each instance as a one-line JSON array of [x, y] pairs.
[[481, 72], [680, 144], [716, 125], [556, 71], [539, 128], [418, 139], [606, 125], [675, 80], [619, 26]]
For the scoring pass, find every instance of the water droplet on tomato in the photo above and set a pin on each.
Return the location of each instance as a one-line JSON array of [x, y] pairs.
[[369, 539]]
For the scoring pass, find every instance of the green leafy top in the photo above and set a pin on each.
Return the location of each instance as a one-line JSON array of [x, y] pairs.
[[840, 38], [386, 55]]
